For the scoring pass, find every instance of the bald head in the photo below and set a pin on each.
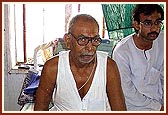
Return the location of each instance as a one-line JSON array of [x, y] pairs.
[[81, 18]]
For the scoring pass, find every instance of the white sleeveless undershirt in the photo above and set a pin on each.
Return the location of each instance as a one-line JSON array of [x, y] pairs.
[[66, 96]]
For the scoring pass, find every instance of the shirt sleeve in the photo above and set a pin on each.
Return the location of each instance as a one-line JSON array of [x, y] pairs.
[[162, 82]]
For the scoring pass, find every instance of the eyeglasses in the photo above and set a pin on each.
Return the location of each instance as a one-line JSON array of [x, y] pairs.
[[149, 24], [83, 40]]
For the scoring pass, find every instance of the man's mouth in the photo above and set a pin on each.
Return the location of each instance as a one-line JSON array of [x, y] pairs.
[[87, 56], [153, 34]]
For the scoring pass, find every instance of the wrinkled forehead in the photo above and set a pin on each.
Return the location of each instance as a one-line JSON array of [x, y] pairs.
[[85, 28], [82, 22]]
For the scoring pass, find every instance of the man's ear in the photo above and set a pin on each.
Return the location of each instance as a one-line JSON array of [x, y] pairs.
[[67, 40], [136, 25]]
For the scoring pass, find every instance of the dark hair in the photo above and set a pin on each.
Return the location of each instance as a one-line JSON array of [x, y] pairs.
[[147, 9], [84, 17]]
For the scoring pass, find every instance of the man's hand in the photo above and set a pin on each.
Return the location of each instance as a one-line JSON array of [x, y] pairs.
[[162, 108]]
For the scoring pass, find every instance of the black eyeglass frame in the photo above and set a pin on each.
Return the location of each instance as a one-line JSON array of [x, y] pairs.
[[157, 23], [82, 37]]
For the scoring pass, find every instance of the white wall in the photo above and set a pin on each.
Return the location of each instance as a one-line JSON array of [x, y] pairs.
[[12, 87], [11, 83]]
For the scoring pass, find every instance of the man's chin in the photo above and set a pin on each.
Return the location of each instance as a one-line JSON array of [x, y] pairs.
[[151, 38]]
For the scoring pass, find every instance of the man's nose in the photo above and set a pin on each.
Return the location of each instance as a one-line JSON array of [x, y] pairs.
[[89, 45]]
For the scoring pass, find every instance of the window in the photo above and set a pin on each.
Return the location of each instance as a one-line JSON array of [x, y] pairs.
[[39, 23]]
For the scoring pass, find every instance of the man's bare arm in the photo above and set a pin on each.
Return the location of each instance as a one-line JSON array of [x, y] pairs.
[[46, 86], [114, 89]]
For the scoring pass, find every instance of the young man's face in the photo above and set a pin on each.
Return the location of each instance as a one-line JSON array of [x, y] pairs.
[[150, 26]]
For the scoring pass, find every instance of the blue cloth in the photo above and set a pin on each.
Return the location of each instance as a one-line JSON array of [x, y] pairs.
[[29, 87]]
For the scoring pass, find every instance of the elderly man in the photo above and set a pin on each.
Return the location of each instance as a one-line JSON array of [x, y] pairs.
[[83, 79]]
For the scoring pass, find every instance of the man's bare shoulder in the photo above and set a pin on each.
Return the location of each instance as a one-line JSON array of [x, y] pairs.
[[51, 64], [52, 61], [110, 62], [50, 69], [112, 68]]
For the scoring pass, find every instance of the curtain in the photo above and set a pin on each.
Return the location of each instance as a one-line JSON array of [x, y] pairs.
[[118, 19], [68, 12]]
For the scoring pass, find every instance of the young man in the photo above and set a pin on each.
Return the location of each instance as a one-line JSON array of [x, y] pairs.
[[140, 59], [83, 78]]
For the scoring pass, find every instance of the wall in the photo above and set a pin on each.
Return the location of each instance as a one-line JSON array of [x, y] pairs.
[[11, 83], [12, 87]]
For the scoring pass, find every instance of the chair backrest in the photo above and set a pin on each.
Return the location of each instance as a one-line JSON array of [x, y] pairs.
[[60, 47], [106, 45]]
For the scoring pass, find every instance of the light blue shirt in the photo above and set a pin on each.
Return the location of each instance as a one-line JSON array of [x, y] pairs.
[[142, 74]]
